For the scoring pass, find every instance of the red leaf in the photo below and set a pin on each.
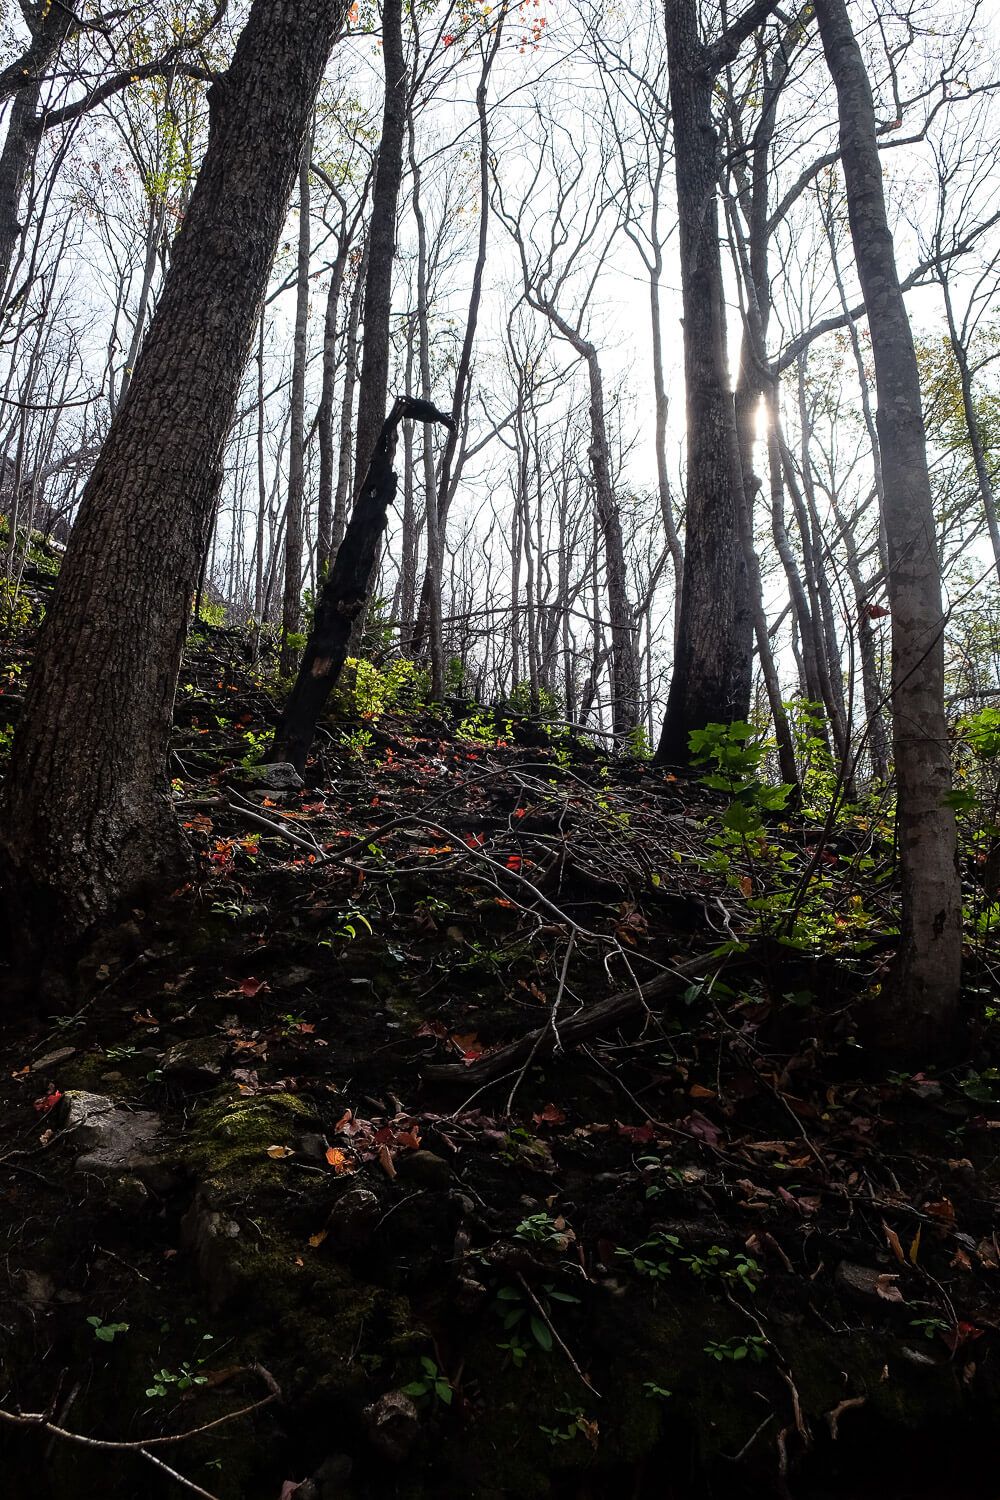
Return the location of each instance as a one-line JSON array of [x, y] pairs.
[[251, 987], [550, 1115], [47, 1102], [639, 1135]]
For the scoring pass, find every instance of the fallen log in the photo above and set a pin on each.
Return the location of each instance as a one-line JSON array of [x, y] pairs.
[[603, 1015]]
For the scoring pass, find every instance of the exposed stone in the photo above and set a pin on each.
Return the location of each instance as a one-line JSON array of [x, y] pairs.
[[425, 1169], [206, 1232], [313, 1146], [198, 1061], [53, 1059], [276, 776], [116, 1140], [393, 1425], [353, 1218]]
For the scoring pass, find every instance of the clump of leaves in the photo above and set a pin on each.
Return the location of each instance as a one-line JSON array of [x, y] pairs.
[[184, 1379], [517, 1310], [432, 1384], [106, 1332], [546, 1231], [751, 1346], [653, 1257]]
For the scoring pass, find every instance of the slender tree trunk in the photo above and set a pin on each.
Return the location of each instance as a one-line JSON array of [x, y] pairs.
[[324, 414], [291, 607], [919, 1008], [87, 821], [972, 425], [345, 590], [374, 383], [712, 660], [344, 471]]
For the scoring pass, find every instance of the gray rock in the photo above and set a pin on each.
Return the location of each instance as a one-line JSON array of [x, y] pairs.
[[313, 1146], [209, 1233], [354, 1217], [53, 1059], [115, 1139], [277, 776], [393, 1425], [196, 1062], [425, 1169]]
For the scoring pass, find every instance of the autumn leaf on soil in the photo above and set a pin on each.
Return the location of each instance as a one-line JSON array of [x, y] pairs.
[[696, 1091], [468, 1044], [886, 1288], [315, 1240], [944, 1210], [550, 1115], [340, 1161], [47, 1102], [639, 1135], [962, 1333], [251, 987], [386, 1162], [278, 1153], [893, 1241], [433, 1028]]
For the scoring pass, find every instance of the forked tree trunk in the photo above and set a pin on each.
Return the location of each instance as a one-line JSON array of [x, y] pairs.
[[87, 821], [343, 595], [918, 1009]]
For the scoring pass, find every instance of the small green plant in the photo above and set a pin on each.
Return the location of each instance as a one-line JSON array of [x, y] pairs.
[[751, 1346], [715, 1262], [166, 1382], [653, 1257], [577, 1426], [654, 1392], [233, 911], [106, 1332], [543, 1230], [516, 1309], [516, 1350], [659, 1176], [433, 1384], [930, 1327], [120, 1054]]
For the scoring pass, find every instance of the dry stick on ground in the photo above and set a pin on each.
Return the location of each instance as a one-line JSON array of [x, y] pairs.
[[588, 1022], [142, 1445], [537, 1305]]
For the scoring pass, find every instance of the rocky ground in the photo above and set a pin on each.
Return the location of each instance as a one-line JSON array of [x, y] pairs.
[[293, 1209]]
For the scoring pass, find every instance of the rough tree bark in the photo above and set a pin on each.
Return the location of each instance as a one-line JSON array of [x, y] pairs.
[[712, 658], [87, 822], [291, 603], [918, 1009], [343, 594], [374, 383]]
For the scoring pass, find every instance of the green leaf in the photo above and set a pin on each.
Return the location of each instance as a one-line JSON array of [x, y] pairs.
[[541, 1334]]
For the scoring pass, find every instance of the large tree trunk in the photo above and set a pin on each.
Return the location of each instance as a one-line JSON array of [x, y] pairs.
[[712, 659], [919, 1008], [87, 820]]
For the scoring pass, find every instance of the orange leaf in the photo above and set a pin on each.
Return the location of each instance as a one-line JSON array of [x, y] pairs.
[[386, 1161]]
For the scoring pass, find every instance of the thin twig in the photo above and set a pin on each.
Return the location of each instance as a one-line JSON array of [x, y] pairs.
[[555, 1334]]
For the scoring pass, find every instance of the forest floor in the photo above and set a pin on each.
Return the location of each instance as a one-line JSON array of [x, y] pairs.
[[282, 1219]]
